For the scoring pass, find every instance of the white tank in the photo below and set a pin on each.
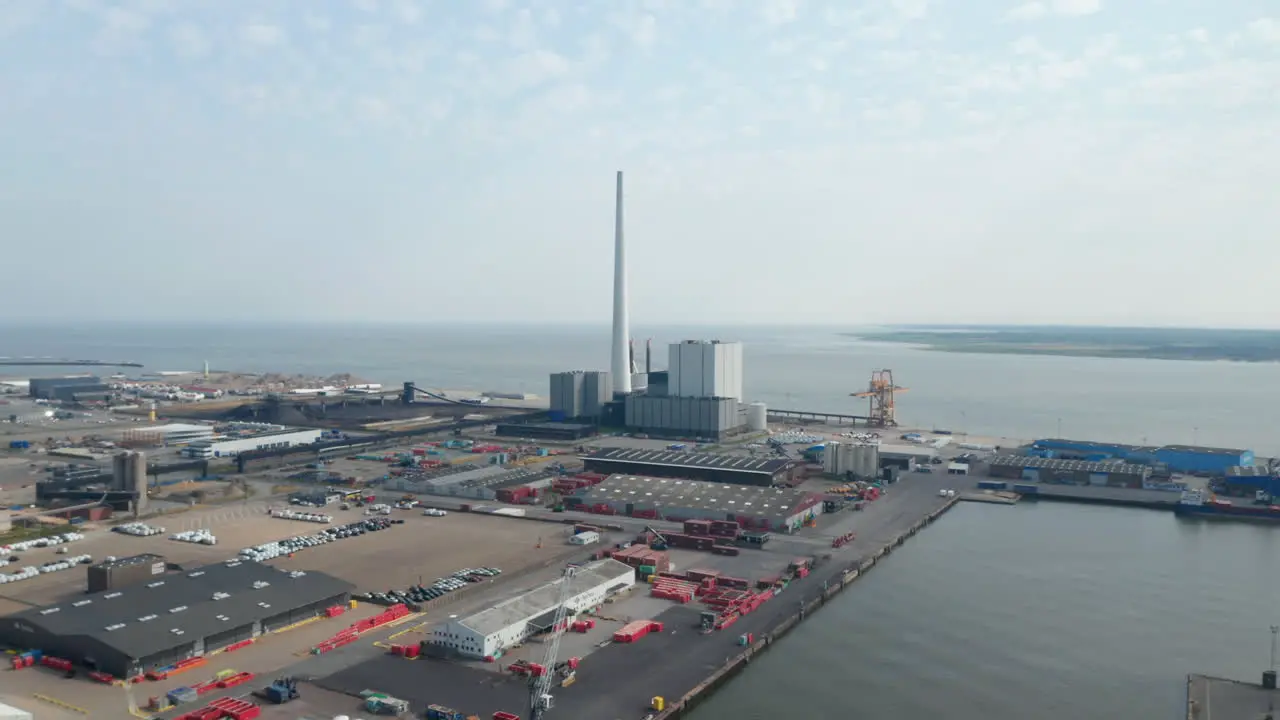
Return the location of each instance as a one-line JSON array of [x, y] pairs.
[[757, 417], [831, 458], [866, 460]]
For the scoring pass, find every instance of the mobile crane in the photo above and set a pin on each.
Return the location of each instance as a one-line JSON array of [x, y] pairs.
[[540, 700], [659, 542]]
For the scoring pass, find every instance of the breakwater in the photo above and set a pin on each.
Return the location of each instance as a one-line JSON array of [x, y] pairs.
[[832, 584]]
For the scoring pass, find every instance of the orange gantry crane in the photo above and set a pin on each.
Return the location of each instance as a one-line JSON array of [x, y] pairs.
[[880, 394]]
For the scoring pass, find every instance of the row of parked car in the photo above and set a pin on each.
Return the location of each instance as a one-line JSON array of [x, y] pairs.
[[418, 594]]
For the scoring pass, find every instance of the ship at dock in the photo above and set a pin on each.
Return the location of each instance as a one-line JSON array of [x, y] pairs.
[[1198, 503]]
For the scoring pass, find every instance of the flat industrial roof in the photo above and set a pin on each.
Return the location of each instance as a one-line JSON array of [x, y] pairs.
[[175, 427], [702, 461], [529, 606], [1113, 467], [908, 451], [141, 620], [549, 426], [699, 495]]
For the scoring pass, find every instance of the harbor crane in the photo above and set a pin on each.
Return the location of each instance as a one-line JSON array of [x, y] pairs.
[[540, 700], [880, 394]]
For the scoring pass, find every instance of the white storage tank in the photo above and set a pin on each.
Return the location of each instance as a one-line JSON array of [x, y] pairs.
[[866, 460], [831, 458], [757, 417]]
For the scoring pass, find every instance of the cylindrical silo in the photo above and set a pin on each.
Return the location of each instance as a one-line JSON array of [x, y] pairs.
[[138, 478], [757, 417], [866, 460], [831, 458], [120, 470]]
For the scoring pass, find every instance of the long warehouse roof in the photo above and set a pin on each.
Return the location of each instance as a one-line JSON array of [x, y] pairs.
[[528, 606], [1113, 467], [750, 500], [147, 618], [705, 461]]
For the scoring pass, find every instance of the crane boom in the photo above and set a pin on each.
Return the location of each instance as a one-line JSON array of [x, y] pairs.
[[540, 686]]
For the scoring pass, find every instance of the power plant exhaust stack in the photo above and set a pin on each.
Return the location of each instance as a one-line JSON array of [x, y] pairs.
[[621, 365], [648, 356]]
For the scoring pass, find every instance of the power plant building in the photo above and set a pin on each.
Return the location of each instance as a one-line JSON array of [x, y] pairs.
[[691, 466], [148, 625], [488, 633], [579, 394], [701, 417], [705, 369], [757, 508]]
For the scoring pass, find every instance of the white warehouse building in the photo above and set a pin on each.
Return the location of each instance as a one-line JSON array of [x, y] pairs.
[[490, 632], [179, 433], [230, 447], [705, 369]]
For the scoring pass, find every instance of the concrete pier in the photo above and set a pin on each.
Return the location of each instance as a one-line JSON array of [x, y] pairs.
[[1211, 698]]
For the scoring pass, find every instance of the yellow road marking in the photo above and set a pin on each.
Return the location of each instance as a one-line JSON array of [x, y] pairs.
[[59, 703]]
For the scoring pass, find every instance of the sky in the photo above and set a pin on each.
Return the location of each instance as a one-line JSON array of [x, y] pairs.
[[787, 161]]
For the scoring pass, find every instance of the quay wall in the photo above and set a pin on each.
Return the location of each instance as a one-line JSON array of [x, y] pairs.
[[834, 582]]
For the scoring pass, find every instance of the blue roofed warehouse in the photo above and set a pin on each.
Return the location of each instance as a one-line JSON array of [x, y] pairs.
[[1178, 458]]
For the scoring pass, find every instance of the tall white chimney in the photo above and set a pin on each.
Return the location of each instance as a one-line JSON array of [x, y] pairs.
[[621, 360]]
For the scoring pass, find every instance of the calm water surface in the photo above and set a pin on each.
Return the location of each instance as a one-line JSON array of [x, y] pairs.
[[1042, 610]]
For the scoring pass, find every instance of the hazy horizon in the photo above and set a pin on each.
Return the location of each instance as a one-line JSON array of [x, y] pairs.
[[1014, 162]]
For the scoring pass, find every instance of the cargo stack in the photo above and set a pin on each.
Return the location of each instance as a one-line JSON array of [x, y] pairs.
[[689, 542], [725, 530], [647, 562], [516, 494], [701, 528], [682, 591], [635, 630]]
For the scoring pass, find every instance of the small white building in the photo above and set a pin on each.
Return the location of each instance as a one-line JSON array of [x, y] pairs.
[[230, 447], [584, 538], [489, 632]]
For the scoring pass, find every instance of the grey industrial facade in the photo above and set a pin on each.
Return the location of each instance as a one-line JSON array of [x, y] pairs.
[[692, 466], [1068, 472], [149, 625], [679, 417], [567, 432], [579, 394], [760, 508], [66, 389]]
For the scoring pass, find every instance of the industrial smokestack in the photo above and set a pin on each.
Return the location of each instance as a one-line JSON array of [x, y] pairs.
[[621, 360], [648, 356]]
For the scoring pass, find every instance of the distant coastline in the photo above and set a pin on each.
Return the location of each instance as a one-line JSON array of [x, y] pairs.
[[1254, 346]]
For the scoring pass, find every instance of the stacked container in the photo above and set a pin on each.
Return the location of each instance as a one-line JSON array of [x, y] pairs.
[[635, 630]]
